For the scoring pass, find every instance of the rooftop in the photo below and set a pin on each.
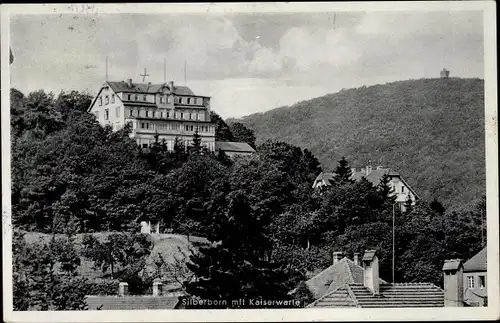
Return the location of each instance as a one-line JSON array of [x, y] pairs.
[[344, 271], [231, 146], [122, 86], [391, 296], [477, 262]]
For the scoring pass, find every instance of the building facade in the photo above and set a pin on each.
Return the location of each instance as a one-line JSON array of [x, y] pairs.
[[475, 280], [401, 189], [166, 109]]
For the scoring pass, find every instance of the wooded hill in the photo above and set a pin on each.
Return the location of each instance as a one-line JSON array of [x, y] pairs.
[[430, 130]]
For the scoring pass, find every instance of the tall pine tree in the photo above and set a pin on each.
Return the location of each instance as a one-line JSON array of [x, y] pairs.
[[343, 171], [386, 191], [235, 267], [196, 148]]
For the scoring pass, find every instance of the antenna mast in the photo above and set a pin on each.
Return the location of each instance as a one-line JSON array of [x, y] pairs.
[[164, 70], [106, 68]]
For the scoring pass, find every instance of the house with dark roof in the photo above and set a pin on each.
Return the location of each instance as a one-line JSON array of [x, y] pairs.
[[342, 271], [475, 279], [232, 149], [165, 111], [401, 189], [356, 286], [124, 301]]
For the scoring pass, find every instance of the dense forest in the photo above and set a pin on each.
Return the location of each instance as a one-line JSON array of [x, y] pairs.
[[430, 130], [267, 229]]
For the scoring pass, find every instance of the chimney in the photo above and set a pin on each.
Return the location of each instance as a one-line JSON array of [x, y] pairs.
[[356, 258], [157, 287], [453, 283], [129, 82], [370, 271], [337, 255], [171, 85], [123, 289]]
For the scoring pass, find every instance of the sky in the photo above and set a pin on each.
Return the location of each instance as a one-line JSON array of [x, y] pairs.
[[247, 62]]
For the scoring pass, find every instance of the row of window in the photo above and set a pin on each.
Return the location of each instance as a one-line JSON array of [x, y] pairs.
[[167, 114], [166, 99], [471, 281], [170, 144], [147, 125], [163, 99], [106, 99]]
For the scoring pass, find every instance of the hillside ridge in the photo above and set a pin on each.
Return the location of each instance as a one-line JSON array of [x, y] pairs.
[[430, 130]]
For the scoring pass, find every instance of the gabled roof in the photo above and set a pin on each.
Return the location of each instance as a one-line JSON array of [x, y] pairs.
[[344, 271], [147, 88], [374, 177], [391, 296], [477, 262], [132, 302], [241, 147], [327, 177]]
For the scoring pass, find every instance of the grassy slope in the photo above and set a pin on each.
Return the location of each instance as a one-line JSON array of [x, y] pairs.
[[430, 130]]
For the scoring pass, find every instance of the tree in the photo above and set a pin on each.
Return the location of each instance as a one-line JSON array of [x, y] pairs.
[[73, 102], [408, 206], [196, 148], [121, 253], [343, 171], [222, 130], [242, 134], [385, 189], [234, 268], [45, 275], [436, 206]]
